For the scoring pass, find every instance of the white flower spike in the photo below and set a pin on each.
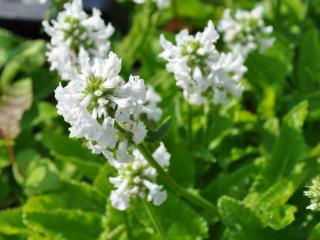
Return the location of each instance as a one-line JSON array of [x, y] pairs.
[[200, 70], [150, 107], [313, 193], [138, 179], [245, 31], [102, 108], [72, 30]]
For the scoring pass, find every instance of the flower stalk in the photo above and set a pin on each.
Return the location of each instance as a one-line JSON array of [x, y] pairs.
[[175, 187], [152, 215]]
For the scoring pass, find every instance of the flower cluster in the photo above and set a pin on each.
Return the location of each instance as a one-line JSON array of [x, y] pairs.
[[150, 106], [105, 110], [314, 194], [200, 69], [101, 107], [72, 30], [245, 31], [161, 4], [137, 179]]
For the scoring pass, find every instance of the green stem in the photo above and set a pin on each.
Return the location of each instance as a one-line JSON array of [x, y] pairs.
[[13, 159], [154, 219], [116, 232], [174, 186], [190, 125], [174, 7], [206, 110], [127, 224]]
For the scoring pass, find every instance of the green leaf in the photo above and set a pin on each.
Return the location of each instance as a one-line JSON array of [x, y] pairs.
[[161, 132], [190, 9], [4, 158], [75, 153], [315, 233], [72, 212], [272, 68], [7, 43], [26, 57], [5, 188], [282, 217], [129, 47], [203, 153], [242, 223], [234, 184], [85, 166], [67, 224], [180, 221], [298, 8], [288, 151], [9, 72], [11, 222], [309, 61], [71, 196], [12, 106], [235, 214], [270, 205], [101, 181], [57, 143], [42, 176], [24, 158], [46, 112]]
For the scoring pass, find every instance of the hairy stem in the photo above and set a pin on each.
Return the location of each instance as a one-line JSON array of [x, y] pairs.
[[157, 225], [190, 116], [175, 187], [13, 160]]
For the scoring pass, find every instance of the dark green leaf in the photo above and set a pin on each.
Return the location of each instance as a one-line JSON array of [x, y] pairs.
[[161, 132]]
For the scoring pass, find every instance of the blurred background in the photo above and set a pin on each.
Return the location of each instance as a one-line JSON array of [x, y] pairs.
[[24, 17]]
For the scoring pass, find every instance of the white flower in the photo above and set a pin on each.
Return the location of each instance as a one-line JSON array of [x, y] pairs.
[[162, 156], [160, 3], [101, 107], [245, 31], [72, 30], [150, 107], [313, 193], [138, 179], [200, 70]]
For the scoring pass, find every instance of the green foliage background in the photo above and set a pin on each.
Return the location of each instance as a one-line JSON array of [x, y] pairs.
[[251, 158]]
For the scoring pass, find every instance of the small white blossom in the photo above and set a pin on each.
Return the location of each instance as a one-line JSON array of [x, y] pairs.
[[314, 194], [150, 107], [245, 31], [101, 107], [200, 70], [161, 4], [138, 179], [72, 30]]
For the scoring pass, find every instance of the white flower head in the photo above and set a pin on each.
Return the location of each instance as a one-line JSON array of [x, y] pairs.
[[150, 107], [161, 4], [137, 179], [245, 31], [200, 69], [102, 108], [72, 30], [313, 193]]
